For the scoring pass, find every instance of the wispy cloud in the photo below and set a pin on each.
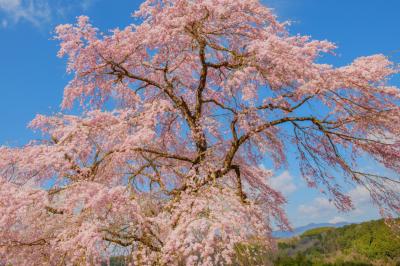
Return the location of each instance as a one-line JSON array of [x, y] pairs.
[[319, 208], [37, 12], [322, 210], [284, 183], [337, 219], [4, 23], [33, 11], [85, 4]]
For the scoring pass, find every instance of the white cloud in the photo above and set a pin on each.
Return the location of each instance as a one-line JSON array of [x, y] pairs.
[[283, 183], [321, 209], [4, 23], [360, 196], [85, 4], [317, 209], [37, 12], [33, 11], [9, 4], [337, 219]]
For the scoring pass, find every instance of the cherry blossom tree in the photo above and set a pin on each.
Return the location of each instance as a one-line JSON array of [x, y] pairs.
[[180, 111]]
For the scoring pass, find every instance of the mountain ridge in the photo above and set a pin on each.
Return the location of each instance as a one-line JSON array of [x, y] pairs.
[[301, 229]]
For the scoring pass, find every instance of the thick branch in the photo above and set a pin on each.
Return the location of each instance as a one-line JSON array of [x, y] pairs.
[[202, 80], [127, 240], [286, 109], [241, 193]]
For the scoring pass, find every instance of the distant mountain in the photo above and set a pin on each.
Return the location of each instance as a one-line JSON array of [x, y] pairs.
[[300, 230]]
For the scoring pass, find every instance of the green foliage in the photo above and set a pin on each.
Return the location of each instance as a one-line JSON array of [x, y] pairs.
[[316, 231], [298, 260], [251, 254], [369, 243]]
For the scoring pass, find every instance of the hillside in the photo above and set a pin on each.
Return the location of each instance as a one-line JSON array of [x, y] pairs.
[[299, 230], [368, 243]]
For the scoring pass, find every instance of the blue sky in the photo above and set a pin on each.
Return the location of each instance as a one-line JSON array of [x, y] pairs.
[[32, 78]]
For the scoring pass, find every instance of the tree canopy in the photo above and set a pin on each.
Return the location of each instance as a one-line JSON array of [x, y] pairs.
[[203, 92]]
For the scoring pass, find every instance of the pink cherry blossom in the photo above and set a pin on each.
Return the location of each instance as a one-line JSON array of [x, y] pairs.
[[204, 92]]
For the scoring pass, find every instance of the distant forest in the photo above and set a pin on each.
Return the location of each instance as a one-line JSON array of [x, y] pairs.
[[368, 243]]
